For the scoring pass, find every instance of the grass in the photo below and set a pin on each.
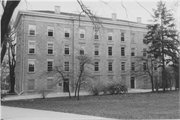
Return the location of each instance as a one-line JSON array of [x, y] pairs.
[[127, 106]]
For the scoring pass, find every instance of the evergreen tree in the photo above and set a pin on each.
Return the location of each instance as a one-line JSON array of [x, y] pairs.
[[162, 38]]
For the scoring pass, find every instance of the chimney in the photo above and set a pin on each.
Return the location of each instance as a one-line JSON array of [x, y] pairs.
[[113, 16], [139, 19], [57, 9]]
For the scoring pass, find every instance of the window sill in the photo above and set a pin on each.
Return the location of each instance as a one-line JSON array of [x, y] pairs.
[[31, 72], [96, 71], [50, 54], [32, 35], [67, 38], [31, 53]]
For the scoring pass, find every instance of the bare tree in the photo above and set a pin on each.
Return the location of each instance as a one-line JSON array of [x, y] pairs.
[[148, 70], [84, 74]]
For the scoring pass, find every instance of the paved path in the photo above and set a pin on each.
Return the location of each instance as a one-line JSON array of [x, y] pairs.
[[14, 113]]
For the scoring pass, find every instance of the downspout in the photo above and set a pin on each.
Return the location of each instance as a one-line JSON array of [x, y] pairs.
[[73, 81], [22, 78]]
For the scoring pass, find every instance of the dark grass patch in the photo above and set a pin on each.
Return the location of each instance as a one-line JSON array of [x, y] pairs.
[[125, 106]]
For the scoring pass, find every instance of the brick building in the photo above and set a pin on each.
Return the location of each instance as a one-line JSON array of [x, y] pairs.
[[46, 37]]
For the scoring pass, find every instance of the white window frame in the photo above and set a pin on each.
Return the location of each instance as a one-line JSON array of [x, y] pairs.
[[96, 49], [144, 66], [110, 65], [133, 51], [123, 52], [110, 34], [50, 60], [110, 51], [32, 27], [31, 47], [82, 48], [67, 30], [96, 32], [50, 46], [66, 48], [31, 61], [96, 66], [132, 66], [123, 66], [52, 79], [50, 28], [122, 36], [81, 31], [67, 66]]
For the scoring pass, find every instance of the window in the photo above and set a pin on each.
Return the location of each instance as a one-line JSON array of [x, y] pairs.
[[49, 65], [81, 67], [132, 37], [132, 66], [96, 66], [67, 32], [96, 35], [50, 83], [32, 30], [123, 66], [110, 51], [122, 36], [50, 47], [66, 66], [144, 52], [66, 50], [50, 31], [31, 85], [110, 36], [96, 50], [110, 67], [81, 52], [122, 51], [155, 66], [132, 51], [144, 66], [31, 47], [31, 65], [82, 34]]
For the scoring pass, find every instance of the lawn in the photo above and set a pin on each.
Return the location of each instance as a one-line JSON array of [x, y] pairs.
[[126, 106]]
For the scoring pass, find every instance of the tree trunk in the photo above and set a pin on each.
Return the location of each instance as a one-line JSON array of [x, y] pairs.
[[76, 88], [69, 93], [79, 86], [152, 83]]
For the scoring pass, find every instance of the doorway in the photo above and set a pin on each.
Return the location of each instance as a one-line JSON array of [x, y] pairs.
[[66, 85], [132, 82]]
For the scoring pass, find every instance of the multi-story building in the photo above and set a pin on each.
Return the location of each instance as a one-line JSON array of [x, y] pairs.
[[45, 38]]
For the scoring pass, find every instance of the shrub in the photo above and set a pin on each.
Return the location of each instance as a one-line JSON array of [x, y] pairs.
[[44, 93]]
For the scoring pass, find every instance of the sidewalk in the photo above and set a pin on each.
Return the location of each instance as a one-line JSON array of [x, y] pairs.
[[13, 113], [27, 96]]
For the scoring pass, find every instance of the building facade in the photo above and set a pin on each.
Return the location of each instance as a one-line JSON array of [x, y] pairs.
[[48, 38]]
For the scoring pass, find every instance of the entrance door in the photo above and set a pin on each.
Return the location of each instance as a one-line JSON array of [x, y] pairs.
[[66, 85], [132, 82]]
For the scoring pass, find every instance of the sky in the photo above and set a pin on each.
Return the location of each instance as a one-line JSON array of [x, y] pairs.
[[103, 8]]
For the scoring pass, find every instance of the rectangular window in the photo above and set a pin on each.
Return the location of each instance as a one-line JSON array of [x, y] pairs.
[[31, 47], [81, 52], [144, 52], [132, 37], [110, 36], [66, 50], [31, 85], [132, 66], [155, 66], [96, 66], [49, 65], [50, 83], [82, 34], [96, 50], [122, 51], [67, 32], [144, 66], [96, 35], [50, 31], [66, 66], [122, 36], [32, 30], [110, 67], [110, 51], [81, 67], [31, 65], [50, 47], [132, 51], [123, 66]]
